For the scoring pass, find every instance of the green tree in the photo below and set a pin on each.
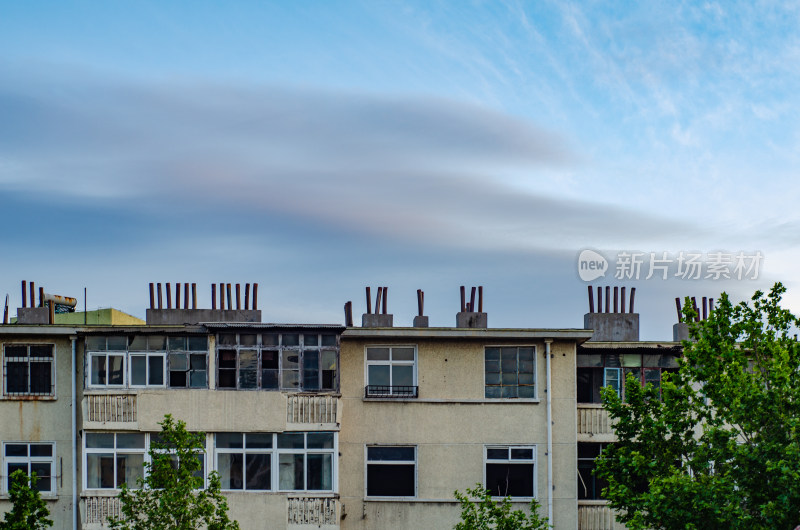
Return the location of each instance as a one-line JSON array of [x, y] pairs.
[[479, 511], [720, 447], [171, 496], [28, 511]]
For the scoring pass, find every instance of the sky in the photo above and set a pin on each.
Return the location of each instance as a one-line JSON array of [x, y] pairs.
[[317, 148]]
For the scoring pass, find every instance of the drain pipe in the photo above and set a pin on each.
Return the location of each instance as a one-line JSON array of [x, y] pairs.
[[547, 343], [74, 439]]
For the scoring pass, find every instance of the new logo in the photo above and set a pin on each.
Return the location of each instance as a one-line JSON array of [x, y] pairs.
[[591, 265]]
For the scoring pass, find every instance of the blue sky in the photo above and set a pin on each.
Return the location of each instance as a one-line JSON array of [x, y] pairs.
[[319, 147]]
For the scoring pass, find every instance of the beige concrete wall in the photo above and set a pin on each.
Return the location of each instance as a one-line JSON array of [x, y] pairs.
[[450, 423], [44, 419]]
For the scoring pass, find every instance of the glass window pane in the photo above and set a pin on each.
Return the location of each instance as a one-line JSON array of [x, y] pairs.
[[198, 379], [593, 360], [492, 354], [390, 480], [41, 450], [156, 369], [41, 377], [258, 471], [98, 376], [17, 450], [229, 440], [231, 473], [133, 440], [378, 374], [320, 440], [269, 339], [515, 480], [43, 475], [138, 343], [198, 343], [95, 343], [178, 361], [402, 375], [100, 470], [402, 354], [526, 354], [310, 341], [291, 472], [291, 440], [256, 440], [269, 379], [100, 440], [198, 361], [390, 453], [633, 360], [177, 343], [320, 471], [311, 380], [157, 343], [521, 454], [43, 351], [130, 468], [377, 354], [248, 369], [329, 340], [248, 339], [290, 360], [228, 339], [311, 360], [494, 392], [508, 359], [497, 453], [116, 375], [117, 343], [138, 370], [290, 379], [526, 391], [290, 339]]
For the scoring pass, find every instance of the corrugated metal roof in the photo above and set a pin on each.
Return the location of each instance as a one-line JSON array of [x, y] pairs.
[[269, 325]]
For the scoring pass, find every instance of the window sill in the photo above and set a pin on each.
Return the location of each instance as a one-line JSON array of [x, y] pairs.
[[28, 398], [592, 502], [503, 401], [51, 497]]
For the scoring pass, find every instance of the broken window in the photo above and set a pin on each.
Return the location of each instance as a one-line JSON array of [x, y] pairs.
[[277, 361], [510, 372], [28, 370], [611, 369]]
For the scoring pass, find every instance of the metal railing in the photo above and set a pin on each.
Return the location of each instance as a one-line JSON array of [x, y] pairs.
[[98, 509], [311, 409], [594, 420], [111, 407], [597, 517], [316, 511], [391, 391]]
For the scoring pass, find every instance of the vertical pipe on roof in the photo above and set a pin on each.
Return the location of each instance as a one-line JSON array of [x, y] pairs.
[[222, 296], [480, 299], [622, 299], [599, 299], [186, 296], [616, 298], [385, 298], [255, 296], [633, 294], [230, 298], [608, 298], [169, 295], [238, 296], [247, 296], [591, 299], [369, 301], [159, 295], [33, 296], [213, 296], [24, 293], [152, 297], [463, 299], [194, 296]]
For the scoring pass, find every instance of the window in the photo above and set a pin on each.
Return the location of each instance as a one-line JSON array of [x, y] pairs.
[[596, 370], [391, 471], [113, 459], [277, 361], [28, 370], [391, 371], [510, 470], [247, 461], [141, 361], [510, 372], [589, 486], [31, 458]]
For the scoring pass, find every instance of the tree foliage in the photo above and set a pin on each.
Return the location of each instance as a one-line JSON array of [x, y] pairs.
[[29, 511], [479, 511], [171, 495], [721, 448]]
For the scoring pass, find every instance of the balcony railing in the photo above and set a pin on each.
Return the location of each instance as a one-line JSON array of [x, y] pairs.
[[312, 409], [111, 407], [597, 517], [317, 511], [593, 420], [386, 391], [98, 509]]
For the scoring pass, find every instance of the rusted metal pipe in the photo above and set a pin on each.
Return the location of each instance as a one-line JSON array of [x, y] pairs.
[[52, 317], [152, 296], [247, 296], [213, 296], [255, 296], [369, 302], [378, 301], [616, 298], [194, 296], [472, 300], [348, 314], [222, 296], [385, 298], [41, 297], [696, 310], [591, 299], [33, 297], [420, 311], [186, 296], [238, 296], [705, 308], [5, 312], [463, 299], [480, 299], [230, 298], [710, 306], [608, 299], [599, 299], [169, 295], [678, 308], [177, 295], [622, 300], [159, 295], [633, 295], [24, 293]]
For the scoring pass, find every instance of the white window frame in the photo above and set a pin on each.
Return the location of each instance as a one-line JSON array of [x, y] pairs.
[[114, 451], [53, 377], [391, 462], [275, 453], [90, 370], [29, 460], [390, 363], [511, 460], [535, 369], [147, 355], [244, 451]]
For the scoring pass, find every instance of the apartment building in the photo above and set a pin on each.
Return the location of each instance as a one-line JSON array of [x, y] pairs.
[[320, 425]]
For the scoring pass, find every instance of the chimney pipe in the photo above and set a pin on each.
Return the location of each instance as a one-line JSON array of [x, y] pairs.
[[591, 299], [385, 298], [222, 296], [255, 296], [705, 308], [247, 296], [33, 296], [348, 314], [678, 308], [608, 299], [24, 293], [238, 296], [633, 295], [230, 298], [622, 300], [480, 299], [177, 295], [599, 299], [616, 298], [159, 295], [169, 295], [194, 296], [463, 299], [369, 302], [378, 301], [186, 296], [472, 300], [420, 303], [213, 296], [152, 296], [41, 296]]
